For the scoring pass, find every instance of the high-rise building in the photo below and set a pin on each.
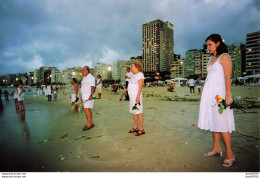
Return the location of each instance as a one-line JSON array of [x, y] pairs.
[[236, 53], [36, 76], [105, 70], [253, 53], [204, 63], [178, 69], [158, 46], [190, 62]]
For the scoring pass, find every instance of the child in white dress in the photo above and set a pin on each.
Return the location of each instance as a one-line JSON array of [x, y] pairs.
[[218, 82]]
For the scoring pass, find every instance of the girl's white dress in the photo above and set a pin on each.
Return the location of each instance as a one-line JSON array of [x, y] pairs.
[[209, 118]]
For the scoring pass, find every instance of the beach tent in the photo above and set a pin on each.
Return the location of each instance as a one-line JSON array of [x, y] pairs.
[[178, 81], [253, 76]]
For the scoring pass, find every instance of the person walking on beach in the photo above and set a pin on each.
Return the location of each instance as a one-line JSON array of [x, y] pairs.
[[15, 93], [6, 93], [134, 89], [191, 84], [128, 76], [74, 93], [55, 94], [99, 86], [88, 85], [20, 96], [198, 84], [218, 82], [46, 91], [49, 91]]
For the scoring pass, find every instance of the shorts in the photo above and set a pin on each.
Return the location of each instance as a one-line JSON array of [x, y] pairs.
[[21, 98], [89, 104], [55, 95], [198, 86], [133, 102], [98, 90], [73, 97]]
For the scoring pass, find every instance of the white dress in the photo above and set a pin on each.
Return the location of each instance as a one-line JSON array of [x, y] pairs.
[[209, 118], [133, 88]]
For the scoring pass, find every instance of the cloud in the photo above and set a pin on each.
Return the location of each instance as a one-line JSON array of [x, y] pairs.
[[28, 65], [66, 33]]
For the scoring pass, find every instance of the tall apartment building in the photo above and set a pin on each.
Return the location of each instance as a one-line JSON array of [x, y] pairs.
[[197, 62], [253, 53], [178, 69], [105, 70], [36, 76], [158, 46], [190, 62], [204, 63], [236, 52]]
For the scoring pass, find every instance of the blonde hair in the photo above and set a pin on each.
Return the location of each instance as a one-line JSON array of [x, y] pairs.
[[138, 65]]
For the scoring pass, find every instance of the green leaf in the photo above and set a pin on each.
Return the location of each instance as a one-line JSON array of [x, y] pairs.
[[220, 110]]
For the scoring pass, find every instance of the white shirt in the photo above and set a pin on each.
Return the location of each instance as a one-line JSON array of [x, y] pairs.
[[191, 82], [133, 85], [86, 84], [130, 75], [99, 85]]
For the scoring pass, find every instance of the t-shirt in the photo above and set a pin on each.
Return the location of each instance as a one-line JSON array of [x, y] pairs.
[[133, 86], [129, 74], [191, 82], [86, 84], [99, 85]]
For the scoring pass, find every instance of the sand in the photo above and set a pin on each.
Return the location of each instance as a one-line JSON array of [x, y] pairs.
[[48, 137]]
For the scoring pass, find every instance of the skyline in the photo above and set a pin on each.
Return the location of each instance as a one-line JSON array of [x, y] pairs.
[[66, 34]]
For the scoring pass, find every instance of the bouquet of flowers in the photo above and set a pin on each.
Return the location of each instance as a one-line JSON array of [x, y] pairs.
[[135, 108], [80, 104], [222, 104], [120, 99]]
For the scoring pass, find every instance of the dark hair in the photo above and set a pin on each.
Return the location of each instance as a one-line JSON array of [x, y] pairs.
[[20, 82], [222, 48], [99, 75], [88, 69], [75, 80]]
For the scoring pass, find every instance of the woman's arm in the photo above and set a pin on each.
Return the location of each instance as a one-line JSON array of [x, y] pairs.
[[76, 89], [140, 83], [227, 66]]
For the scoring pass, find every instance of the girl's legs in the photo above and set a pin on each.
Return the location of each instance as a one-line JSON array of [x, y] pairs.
[[141, 121], [135, 121], [227, 140], [217, 148], [19, 102], [22, 105]]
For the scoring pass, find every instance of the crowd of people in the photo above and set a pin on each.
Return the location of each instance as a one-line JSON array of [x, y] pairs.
[[218, 82]]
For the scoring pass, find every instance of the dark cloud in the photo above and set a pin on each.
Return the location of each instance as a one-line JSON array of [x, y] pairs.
[[66, 33]]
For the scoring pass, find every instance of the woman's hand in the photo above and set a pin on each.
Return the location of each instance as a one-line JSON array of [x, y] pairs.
[[124, 92], [228, 99], [137, 99]]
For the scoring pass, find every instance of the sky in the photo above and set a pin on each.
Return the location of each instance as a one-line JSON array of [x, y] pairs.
[[72, 33]]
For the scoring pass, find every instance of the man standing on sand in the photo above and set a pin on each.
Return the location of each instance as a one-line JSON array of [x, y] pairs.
[[87, 91], [128, 76]]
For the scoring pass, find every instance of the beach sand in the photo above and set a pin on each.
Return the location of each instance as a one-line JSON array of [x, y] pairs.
[[48, 137]]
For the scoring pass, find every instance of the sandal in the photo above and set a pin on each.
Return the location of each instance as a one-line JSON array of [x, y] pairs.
[[210, 154], [228, 162], [133, 130], [139, 132], [86, 128]]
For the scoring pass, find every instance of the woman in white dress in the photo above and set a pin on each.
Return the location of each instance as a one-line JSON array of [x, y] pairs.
[[20, 96], [134, 89], [218, 82], [99, 86]]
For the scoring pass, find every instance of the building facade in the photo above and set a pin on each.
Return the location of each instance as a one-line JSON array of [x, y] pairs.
[[158, 46], [253, 53]]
